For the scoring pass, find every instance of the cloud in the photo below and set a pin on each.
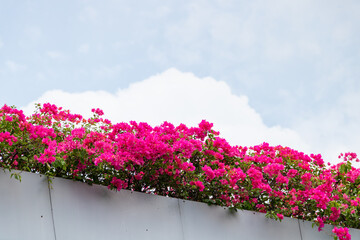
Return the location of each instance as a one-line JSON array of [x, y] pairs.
[[180, 97], [336, 130]]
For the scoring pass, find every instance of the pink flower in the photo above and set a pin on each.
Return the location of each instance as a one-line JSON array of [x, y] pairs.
[[321, 223], [317, 159], [335, 214], [342, 233], [273, 169], [306, 177], [8, 118], [187, 167], [237, 175], [199, 184], [78, 132], [118, 183], [281, 179], [354, 203], [98, 111], [139, 175], [292, 173], [173, 158], [205, 125], [209, 172]]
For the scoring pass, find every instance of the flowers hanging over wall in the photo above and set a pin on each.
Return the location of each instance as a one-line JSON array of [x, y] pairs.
[[191, 163]]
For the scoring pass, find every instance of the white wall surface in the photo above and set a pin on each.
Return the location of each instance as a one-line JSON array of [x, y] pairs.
[[71, 210]]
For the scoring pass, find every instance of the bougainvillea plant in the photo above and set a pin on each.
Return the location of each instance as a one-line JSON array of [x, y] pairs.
[[177, 161]]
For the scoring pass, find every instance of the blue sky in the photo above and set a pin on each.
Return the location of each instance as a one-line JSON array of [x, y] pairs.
[[295, 62]]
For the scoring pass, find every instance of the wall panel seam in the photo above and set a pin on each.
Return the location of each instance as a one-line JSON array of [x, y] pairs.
[[51, 208], [300, 229], [181, 220]]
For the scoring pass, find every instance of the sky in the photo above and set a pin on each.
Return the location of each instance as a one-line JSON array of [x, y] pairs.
[[283, 72]]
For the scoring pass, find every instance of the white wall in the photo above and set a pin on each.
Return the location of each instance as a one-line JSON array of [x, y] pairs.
[[73, 210]]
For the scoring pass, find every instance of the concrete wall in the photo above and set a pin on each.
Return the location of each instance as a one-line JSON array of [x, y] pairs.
[[71, 210]]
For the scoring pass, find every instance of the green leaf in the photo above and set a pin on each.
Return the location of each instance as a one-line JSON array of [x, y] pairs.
[[17, 176]]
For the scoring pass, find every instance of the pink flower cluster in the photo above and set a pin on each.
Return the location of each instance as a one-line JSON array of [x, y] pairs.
[[185, 162], [7, 137], [342, 233]]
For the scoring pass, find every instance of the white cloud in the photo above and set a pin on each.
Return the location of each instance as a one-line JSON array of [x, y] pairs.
[[330, 134], [14, 67], [335, 130], [180, 98]]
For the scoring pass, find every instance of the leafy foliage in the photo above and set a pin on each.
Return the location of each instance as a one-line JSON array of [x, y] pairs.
[[189, 163]]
